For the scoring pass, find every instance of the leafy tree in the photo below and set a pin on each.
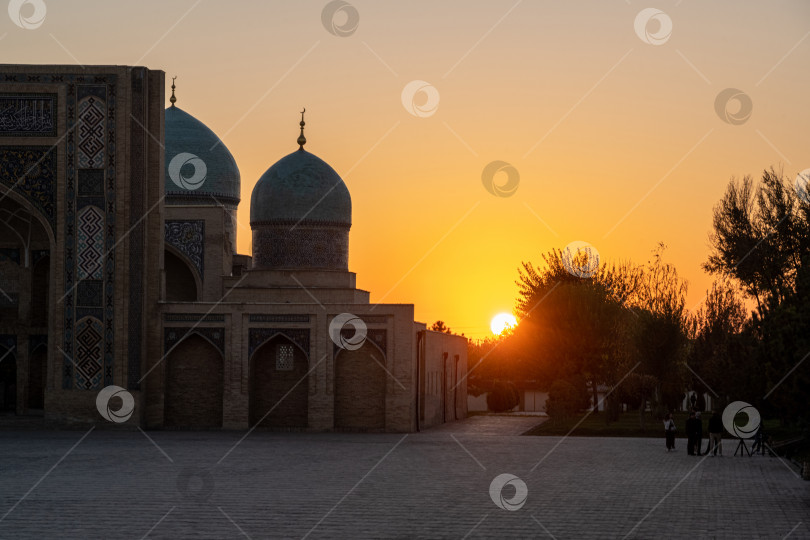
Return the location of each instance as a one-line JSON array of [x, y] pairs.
[[761, 240], [503, 397], [660, 331], [439, 326], [574, 325], [565, 400]]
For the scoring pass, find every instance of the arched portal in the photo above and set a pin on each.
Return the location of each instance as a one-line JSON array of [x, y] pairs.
[[194, 385], [279, 386], [360, 388], [26, 242], [181, 285]]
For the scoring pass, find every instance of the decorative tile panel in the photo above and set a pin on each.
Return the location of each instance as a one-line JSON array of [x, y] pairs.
[[281, 246], [89, 355], [188, 237], [31, 172], [90, 243], [274, 318], [28, 115], [91, 132]]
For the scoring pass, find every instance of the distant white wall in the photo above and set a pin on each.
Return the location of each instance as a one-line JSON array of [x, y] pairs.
[[533, 401]]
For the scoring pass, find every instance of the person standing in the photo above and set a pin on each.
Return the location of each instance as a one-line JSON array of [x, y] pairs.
[[669, 432], [698, 434], [692, 429], [715, 434]]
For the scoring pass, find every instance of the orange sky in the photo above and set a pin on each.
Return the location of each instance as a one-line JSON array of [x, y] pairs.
[[616, 141]]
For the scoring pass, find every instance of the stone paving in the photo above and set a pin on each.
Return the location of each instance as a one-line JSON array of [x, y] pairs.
[[116, 484]]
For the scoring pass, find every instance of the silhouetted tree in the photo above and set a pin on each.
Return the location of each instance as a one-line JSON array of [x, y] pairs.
[[761, 240], [439, 326]]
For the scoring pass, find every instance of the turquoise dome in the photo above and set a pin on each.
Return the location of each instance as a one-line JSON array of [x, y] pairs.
[[301, 187], [199, 167]]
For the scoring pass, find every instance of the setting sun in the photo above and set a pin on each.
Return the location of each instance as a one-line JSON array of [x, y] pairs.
[[501, 322]]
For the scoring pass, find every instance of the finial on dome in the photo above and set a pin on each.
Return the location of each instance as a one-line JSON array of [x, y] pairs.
[[173, 99], [301, 139]]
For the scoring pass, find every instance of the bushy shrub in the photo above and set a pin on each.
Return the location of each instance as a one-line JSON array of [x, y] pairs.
[[563, 400], [503, 397]]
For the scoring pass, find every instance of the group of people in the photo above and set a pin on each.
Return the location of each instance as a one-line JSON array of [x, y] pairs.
[[694, 433]]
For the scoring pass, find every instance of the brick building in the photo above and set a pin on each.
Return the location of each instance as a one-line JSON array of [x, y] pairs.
[[118, 266]]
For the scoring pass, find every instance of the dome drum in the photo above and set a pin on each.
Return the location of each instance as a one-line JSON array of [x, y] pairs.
[[281, 245]]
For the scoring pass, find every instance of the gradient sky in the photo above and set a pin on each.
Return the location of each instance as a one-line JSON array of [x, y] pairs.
[[616, 141]]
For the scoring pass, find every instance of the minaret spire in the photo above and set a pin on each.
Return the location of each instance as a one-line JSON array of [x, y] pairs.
[[173, 99], [301, 139]]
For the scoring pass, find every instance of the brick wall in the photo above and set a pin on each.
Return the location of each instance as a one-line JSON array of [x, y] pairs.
[[194, 385], [360, 389], [282, 393]]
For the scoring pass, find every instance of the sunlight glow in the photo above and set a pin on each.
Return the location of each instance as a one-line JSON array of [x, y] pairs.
[[501, 322]]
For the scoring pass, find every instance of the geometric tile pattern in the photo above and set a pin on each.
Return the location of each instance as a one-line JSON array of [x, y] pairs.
[[277, 245], [90, 243], [89, 143], [272, 317], [31, 172], [188, 237], [91, 132], [89, 353]]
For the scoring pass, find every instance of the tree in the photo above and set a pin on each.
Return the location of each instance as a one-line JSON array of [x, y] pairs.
[[503, 397], [722, 344], [439, 326], [660, 336], [761, 240], [759, 237], [563, 400], [573, 325]]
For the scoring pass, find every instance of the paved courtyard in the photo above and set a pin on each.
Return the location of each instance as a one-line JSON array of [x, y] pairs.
[[112, 484]]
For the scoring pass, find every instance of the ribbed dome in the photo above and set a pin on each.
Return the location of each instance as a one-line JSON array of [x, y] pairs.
[[301, 187], [199, 168]]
